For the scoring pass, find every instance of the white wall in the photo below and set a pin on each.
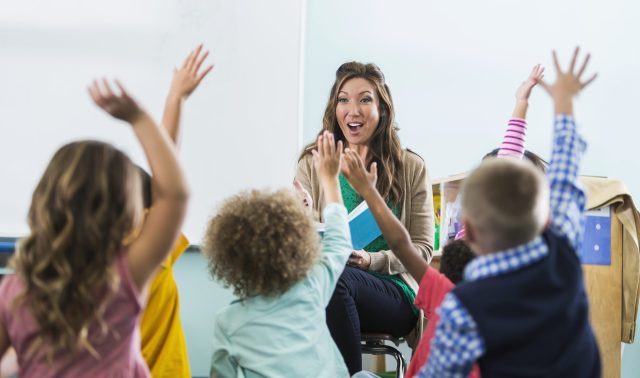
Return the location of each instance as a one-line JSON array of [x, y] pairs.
[[453, 67], [241, 127]]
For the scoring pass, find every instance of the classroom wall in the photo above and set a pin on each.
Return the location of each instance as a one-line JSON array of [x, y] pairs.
[[200, 299], [453, 68], [241, 127]]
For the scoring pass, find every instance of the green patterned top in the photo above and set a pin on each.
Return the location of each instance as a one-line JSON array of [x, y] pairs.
[[351, 200]]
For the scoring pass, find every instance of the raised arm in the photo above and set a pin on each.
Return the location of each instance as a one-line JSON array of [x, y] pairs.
[[394, 233], [567, 198], [514, 138], [185, 80], [420, 217], [162, 224], [336, 241]]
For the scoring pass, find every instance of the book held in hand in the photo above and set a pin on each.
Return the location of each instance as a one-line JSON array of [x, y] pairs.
[[362, 225]]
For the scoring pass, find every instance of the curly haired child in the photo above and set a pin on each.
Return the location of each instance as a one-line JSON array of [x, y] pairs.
[[73, 305], [265, 246]]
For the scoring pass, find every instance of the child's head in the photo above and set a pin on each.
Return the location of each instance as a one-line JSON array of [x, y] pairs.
[[455, 257], [87, 201], [261, 243], [536, 160], [505, 203]]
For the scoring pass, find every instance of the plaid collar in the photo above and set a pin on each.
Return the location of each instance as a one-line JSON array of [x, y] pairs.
[[506, 261]]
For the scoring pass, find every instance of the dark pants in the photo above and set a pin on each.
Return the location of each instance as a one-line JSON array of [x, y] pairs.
[[368, 304]]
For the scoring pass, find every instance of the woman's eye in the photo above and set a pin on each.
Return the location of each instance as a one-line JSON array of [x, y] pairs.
[[342, 99], [366, 100]]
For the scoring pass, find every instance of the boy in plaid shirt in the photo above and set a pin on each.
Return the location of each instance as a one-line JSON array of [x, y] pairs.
[[522, 310]]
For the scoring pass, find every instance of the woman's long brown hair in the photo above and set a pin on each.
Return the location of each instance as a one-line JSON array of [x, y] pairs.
[[82, 209], [384, 146]]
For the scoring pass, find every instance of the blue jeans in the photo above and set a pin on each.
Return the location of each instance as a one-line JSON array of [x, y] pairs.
[[365, 303]]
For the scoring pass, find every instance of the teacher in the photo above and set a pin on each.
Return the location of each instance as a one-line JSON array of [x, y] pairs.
[[375, 293]]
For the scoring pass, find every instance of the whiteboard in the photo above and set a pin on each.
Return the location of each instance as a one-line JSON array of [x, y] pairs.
[[241, 127]]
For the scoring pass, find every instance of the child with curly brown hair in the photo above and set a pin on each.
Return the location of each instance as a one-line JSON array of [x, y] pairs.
[[265, 246]]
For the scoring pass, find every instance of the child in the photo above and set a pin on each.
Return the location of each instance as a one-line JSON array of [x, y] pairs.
[[522, 310], [164, 347], [513, 142], [265, 246], [434, 285], [72, 307]]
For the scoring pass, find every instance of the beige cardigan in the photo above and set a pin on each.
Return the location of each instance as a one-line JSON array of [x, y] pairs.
[[416, 211]]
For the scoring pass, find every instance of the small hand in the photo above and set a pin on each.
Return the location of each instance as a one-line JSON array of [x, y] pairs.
[[120, 106], [303, 194], [568, 84], [524, 90], [327, 156], [360, 259], [187, 78], [353, 169]]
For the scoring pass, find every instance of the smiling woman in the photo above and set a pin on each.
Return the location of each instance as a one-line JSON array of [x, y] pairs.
[[374, 293]]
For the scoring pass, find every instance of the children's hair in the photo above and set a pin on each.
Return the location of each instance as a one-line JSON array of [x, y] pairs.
[[85, 204], [506, 201], [455, 257], [537, 161], [261, 243]]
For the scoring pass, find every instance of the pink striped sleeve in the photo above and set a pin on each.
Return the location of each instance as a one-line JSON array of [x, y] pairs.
[[513, 141]]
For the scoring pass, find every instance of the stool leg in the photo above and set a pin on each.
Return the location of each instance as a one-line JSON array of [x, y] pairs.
[[401, 365]]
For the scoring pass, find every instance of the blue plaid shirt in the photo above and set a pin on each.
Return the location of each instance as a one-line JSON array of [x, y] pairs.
[[457, 344]]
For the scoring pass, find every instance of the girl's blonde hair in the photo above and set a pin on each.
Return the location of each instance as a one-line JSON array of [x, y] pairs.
[[85, 204]]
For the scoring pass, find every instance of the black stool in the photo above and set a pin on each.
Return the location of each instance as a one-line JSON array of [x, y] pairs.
[[373, 343]]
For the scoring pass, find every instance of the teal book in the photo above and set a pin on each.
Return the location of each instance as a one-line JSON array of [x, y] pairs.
[[362, 225]]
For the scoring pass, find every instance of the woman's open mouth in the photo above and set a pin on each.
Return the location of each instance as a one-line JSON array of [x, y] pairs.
[[354, 127]]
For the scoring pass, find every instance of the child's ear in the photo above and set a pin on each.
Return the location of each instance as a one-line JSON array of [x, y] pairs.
[[470, 235]]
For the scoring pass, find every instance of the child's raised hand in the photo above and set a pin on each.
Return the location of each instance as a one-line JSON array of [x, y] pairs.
[[187, 78], [327, 156], [568, 84], [524, 90], [119, 105], [355, 172]]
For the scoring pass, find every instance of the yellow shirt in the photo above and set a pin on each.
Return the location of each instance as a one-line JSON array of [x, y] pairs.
[[163, 343]]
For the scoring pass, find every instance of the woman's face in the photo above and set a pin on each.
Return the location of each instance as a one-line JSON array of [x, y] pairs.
[[357, 111]]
